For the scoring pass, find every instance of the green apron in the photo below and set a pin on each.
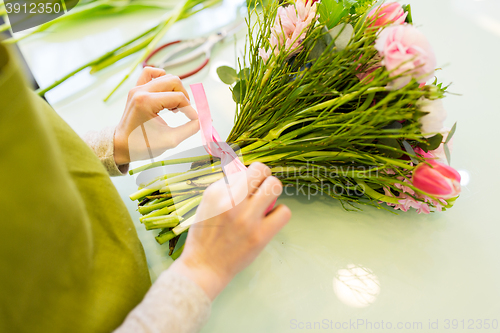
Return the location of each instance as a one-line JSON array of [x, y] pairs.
[[70, 258]]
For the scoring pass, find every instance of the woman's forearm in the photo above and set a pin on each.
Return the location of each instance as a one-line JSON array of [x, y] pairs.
[[174, 304]]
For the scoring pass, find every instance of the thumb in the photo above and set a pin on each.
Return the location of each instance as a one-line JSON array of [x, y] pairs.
[[183, 132], [188, 110]]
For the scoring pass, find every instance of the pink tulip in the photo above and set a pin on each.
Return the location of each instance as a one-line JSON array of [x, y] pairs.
[[437, 179], [387, 13]]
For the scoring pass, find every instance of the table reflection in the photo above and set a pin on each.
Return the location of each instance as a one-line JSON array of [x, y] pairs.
[[356, 286]]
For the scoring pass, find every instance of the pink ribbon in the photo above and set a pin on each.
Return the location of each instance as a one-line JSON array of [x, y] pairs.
[[230, 163]]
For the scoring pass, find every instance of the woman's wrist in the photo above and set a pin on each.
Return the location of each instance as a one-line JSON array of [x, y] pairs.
[[206, 278], [121, 153]]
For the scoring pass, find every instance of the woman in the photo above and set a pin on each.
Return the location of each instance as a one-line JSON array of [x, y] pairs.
[[70, 257]]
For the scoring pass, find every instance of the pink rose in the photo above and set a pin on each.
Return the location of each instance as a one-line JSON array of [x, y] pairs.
[[437, 179], [405, 50], [387, 13]]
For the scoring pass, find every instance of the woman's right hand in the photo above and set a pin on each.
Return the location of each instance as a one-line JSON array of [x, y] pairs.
[[219, 247]]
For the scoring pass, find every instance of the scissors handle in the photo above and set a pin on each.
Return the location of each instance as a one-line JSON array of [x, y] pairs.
[[145, 62], [183, 76], [196, 70]]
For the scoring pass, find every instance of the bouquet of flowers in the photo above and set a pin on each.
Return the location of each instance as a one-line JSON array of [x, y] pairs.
[[335, 97]]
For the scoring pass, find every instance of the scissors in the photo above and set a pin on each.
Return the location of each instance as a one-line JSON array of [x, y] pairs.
[[201, 46]]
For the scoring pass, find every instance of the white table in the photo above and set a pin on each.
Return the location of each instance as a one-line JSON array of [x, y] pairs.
[[327, 265]]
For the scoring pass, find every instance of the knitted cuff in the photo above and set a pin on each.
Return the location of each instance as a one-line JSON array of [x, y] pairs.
[[102, 143]]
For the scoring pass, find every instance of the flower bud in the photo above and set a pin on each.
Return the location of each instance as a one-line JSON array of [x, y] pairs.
[[437, 179], [387, 13]]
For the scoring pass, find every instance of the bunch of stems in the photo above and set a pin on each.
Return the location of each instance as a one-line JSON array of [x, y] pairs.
[[313, 122]]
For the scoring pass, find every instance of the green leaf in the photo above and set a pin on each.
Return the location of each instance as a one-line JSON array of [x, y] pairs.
[[393, 147], [331, 12], [244, 74], [452, 131], [342, 34], [410, 151], [407, 9], [239, 91], [432, 143], [447, 153], [318, 49], [299, 90], [450, 202], [227, 74], [394, 125]]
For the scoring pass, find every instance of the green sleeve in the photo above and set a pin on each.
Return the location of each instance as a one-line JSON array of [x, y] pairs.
[[70, 257]]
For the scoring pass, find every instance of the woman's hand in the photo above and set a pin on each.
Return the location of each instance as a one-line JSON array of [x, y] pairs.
[[219, 247], [142, 133]]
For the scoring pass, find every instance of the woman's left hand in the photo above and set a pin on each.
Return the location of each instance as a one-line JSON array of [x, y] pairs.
[[142, 133]]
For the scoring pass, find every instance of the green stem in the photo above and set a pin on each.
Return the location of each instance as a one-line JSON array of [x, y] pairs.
[[207, 180], [132, 50], [375, 195], [192, 203], [167, 24], [177, 204], [268, 73], [297, 171], [341, 100], [257, 144], [160, 212], [177, 253], [42, 92], [169, 195], [265, 159], [169, 175], [4, 27], [345, 156], [165, 237], [181, 228], [177, 187], [148, 209], [145, 191], [193, 174], [159, 222], [81, 10], [174, 183], [168, 162], [115, 58], [184, 226]]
